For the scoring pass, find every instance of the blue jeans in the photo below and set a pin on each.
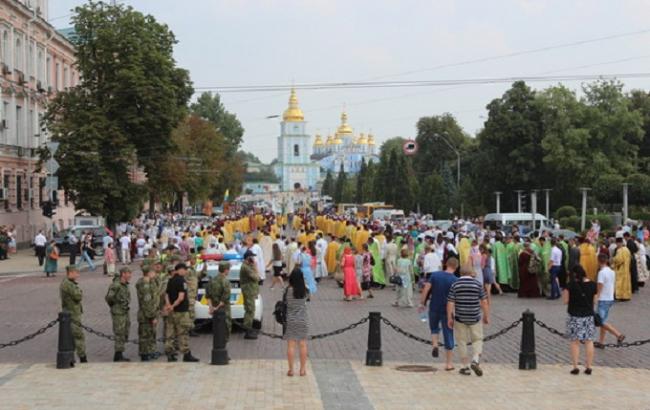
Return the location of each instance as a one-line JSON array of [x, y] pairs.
[[603, 309], [86, 257], [436, 318], [555, 287]]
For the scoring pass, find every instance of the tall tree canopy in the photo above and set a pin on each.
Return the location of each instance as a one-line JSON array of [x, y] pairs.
[[130, 97]]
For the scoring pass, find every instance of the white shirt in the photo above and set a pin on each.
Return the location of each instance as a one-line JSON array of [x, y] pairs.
[[125, 242], [431, 263], [259, 260], [556, 256], [40, 240], [607, 277]]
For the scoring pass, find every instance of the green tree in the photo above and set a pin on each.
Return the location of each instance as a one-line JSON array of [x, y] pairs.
[[339, 186], [131, 96], [369, 194], [328, 184], [433, 151], [360, 181], [640, 102]]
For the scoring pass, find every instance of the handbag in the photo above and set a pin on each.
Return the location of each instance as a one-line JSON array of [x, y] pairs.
[[280, 309], [53, 255], [396, 280]]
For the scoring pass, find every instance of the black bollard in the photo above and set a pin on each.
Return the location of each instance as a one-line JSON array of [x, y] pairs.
[[65, 354], [527, 356], [219, 351], [373, 355]]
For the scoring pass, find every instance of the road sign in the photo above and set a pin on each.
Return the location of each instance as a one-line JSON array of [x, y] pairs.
[[410, 147]]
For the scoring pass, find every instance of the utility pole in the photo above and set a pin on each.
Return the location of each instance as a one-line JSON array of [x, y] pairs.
[[625, 208], [519, 192], [583, 218], [498, 195], [548, 203], [533, 206]]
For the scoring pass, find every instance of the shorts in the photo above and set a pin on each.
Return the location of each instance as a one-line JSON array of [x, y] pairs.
[[277, 271], [435, 319], [603, 309], [488, 277]]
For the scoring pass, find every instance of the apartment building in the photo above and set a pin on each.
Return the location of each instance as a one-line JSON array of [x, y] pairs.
[[36, 62]]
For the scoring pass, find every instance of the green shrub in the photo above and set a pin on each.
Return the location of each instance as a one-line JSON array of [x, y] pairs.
[[565, 212], [570, 222], [640, 216]]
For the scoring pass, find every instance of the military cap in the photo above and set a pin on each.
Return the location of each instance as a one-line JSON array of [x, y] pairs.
[[71, 268], [224, 266], [125, 269]]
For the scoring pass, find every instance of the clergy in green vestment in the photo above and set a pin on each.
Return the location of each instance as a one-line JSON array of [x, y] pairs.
[[378, 269], [545, 277], [419, 248], [501, 261], [513, 247]]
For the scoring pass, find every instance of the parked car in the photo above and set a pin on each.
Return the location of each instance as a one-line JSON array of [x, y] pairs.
[[201, 308], [98, 232]]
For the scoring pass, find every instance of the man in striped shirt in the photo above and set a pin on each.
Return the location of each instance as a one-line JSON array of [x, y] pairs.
[[465, 302]]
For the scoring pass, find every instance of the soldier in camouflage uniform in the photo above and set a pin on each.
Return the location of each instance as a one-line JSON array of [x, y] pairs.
[[166, 272], [148, 303], [218, 294], [250, 288], [179, 323], [192, 280], [71, 296], [118, 298]]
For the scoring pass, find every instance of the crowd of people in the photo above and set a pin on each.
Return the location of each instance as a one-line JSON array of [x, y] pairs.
[[454, 270]]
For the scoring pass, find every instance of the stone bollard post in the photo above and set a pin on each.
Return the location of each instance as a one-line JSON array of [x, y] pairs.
[[373, 355], [65, 353], [219, 351], [527, 356]]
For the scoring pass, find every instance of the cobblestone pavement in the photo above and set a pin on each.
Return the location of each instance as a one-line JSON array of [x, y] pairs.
[[29, 302], [262, 384]]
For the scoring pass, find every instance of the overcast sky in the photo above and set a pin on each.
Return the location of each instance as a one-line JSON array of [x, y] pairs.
[[254, 42]]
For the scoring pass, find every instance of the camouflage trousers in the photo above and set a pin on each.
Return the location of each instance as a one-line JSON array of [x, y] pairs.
[[78, 337], [249, 292], [121, 326], [146, 337], [177, 332]]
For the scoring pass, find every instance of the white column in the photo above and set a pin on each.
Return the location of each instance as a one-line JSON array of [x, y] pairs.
[[625, 207]]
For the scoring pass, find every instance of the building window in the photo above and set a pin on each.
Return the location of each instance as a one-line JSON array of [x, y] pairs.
[[57, 76], [19, 191], [296, 150], [66, 79], [48, 72], [18, 53], [30, 61], [39, 67], [41, 187], [5, 47], [19, 126], [6, 182]]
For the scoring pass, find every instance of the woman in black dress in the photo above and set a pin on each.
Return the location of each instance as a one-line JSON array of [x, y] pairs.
[[580, 295]]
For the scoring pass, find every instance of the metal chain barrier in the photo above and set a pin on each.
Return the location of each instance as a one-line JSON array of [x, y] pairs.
[[610, 345], [428, 342], [30, 336], [312, 337], [102, 334]]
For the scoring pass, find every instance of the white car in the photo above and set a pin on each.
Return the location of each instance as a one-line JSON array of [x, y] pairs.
[[201, 308]]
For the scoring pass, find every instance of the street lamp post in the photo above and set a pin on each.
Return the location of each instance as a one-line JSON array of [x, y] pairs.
[[519, 191], [498, 195], [533, 206], [583, 218]]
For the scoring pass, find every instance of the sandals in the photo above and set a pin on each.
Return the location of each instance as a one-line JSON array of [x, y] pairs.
[[620, 339], [588, 371], [477, 369], [465, 371], [448, 369], [575, 371], [303, 372], [290, 373]]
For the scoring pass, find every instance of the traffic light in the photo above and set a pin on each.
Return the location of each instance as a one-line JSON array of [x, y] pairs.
[[48, 209]]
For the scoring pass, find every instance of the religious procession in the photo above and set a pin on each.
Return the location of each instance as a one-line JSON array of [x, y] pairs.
[[458, 270]]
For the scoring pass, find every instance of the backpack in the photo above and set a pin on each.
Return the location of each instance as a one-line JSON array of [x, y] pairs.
[[534, 265], [280, 309]]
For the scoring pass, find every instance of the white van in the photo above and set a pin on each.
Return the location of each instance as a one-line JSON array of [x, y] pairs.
[[524, 219], [390, 214]]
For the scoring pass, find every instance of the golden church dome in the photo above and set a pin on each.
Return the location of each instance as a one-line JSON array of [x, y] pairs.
[[293, 113], [371, 139], [330, 140], [362, 139], [338, 140], [344, 128], [318, 141]]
